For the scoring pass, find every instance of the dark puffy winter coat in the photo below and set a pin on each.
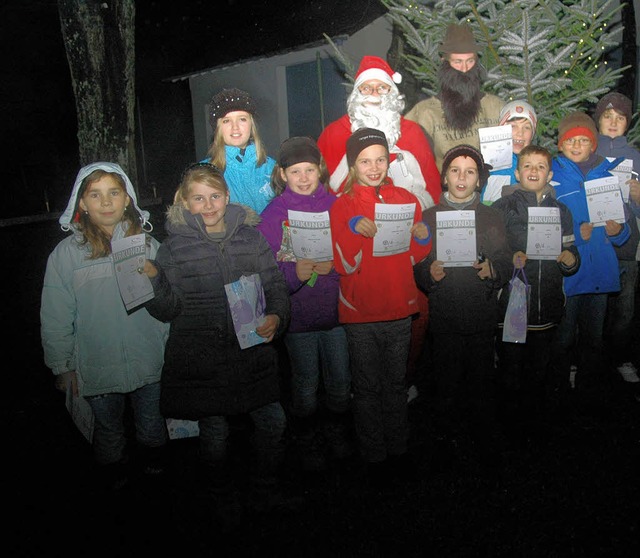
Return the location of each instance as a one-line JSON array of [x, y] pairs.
[[545, 277], [462, 302], [206, 373]]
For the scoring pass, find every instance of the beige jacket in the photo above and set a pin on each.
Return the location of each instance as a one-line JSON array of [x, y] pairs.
[[429, 115]]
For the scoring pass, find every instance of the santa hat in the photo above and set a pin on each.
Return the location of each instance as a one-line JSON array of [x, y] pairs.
[[518, 109], [374, 67]]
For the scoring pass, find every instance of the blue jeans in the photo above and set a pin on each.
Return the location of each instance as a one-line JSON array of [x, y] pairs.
[[267, 438], [379, 352], [579, 339], [316, 353], [620, 311], [109, 441]]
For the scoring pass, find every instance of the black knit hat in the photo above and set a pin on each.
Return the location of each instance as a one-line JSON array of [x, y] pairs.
[[298, 149], [361, 139], [614, 100], [466, 151], [227, 101]]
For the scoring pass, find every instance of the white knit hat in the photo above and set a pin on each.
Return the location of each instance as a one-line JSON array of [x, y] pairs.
[[518, 109]]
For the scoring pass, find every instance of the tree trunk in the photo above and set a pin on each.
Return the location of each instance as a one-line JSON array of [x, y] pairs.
[[99, 38]]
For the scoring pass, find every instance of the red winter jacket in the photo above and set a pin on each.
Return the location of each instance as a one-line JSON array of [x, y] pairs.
[[373, 288]]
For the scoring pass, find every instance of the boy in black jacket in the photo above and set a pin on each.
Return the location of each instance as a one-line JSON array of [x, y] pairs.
[[523, 366]]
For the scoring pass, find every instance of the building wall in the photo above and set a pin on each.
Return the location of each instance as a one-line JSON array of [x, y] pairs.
[[265, 80]]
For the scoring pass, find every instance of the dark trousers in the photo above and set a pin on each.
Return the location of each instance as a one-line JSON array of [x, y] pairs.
[[379, 353], [464, 369]]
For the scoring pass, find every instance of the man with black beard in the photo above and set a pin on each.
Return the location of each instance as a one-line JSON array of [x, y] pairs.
[[461, 107], [375, 102]]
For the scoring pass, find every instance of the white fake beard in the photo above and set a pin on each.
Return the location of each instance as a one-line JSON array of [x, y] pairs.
[[384, 116]]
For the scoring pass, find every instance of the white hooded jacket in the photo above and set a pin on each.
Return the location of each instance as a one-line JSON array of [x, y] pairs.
[[85, 326]]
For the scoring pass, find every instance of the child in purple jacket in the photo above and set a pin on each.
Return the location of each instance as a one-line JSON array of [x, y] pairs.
[[315, 341]]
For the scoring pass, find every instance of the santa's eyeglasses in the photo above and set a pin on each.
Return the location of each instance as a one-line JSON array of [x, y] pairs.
[[380, 89]]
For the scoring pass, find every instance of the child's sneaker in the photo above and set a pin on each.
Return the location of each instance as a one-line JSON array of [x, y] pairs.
[[572, 375], [412, 393], [629, 372]]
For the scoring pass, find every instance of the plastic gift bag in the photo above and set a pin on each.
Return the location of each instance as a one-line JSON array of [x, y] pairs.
[[515, 319], [247, 304]]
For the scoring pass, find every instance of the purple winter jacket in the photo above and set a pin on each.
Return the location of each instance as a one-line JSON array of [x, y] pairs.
[[312, 308]]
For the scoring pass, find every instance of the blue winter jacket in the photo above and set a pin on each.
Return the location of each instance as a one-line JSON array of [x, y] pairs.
[[598, 271], [248, 183], [490, 194]]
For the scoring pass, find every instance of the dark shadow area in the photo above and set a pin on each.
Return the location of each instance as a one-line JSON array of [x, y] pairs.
[[569, 487]]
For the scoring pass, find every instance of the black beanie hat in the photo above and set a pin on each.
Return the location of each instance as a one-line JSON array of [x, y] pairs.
[[298, 149], [227, 101], [361, 139], [614, 100], [466, 151]]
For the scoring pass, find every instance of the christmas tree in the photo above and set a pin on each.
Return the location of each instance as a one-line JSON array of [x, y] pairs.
[[555, 55]]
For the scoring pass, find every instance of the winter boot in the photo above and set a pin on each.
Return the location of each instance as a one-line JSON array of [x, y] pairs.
[[337, 430], [309, 444], [115, 476], [224, 500], [154, 461]]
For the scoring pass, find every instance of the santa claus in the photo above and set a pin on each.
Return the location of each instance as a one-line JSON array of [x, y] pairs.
[[376, 102]]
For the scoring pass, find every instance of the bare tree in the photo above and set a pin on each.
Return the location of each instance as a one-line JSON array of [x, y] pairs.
[[99, 39]]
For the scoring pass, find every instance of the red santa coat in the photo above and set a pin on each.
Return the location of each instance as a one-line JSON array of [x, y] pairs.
[[373, 288], [412, 164]]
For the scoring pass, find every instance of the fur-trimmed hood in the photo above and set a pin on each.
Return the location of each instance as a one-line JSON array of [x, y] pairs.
[[235, 215]]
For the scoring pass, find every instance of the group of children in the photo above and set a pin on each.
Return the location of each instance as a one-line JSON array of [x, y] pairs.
[[344, 318]]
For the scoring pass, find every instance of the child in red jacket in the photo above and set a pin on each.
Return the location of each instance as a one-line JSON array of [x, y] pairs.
[[378, 237]]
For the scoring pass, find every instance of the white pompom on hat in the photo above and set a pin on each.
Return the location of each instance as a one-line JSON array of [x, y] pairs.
[[374, 67]]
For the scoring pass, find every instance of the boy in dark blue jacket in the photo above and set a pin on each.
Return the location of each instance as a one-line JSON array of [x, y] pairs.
[[613, 115], [587, 290]]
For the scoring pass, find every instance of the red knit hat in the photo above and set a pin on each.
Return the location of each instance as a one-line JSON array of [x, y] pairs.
[[575, 124], [374, 67]]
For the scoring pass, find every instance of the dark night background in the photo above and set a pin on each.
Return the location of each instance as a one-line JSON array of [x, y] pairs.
[[570, 490], [39, 143]]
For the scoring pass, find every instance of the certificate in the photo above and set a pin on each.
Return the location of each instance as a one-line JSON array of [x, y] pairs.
[[129, 255], [623, 172], [604, 200], [496, 146], [456, 238], [544, 233], [495, 183], [311, 235], [394, 222]]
